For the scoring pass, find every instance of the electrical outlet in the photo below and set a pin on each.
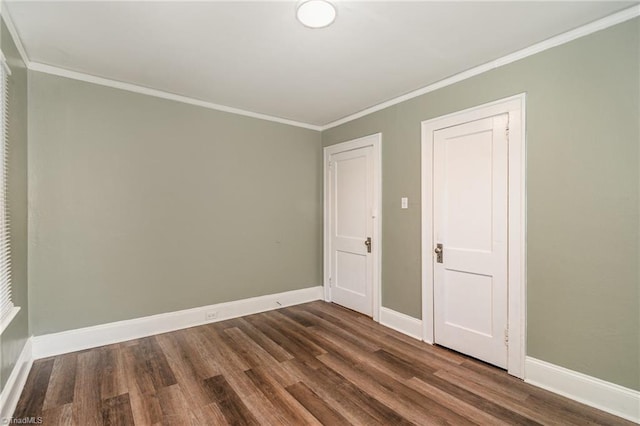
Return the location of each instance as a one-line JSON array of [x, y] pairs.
[[211, 315]]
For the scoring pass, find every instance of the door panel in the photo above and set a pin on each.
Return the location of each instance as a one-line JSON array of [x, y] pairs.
[[477, 288], [350, 174], [351, 272], [467, 181], [470, 221], [351, 198]]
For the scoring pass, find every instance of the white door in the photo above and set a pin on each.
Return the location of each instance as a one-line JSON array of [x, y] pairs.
[[350, 198], [470, 178]]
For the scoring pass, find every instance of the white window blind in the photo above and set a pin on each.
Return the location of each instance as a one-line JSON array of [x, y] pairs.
[[7, 310]]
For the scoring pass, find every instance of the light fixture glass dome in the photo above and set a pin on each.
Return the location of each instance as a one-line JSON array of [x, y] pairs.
[[316, 13]]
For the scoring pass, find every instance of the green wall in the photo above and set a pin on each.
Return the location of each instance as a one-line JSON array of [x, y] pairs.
[[140, 205], [582, 196], [14, 337]]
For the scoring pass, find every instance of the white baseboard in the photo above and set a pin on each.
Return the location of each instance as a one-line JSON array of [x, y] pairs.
[[17, 379], [400, 322], [605, 396], [105, 334]]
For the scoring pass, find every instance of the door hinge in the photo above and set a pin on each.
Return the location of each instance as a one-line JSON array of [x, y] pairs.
[[330, 164], [506, 336], [330, 281], [507, 131]]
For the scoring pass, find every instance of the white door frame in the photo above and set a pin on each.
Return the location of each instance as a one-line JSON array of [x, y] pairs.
[[374, 141], [515, 107]]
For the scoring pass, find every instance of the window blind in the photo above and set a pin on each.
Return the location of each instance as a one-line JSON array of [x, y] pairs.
[[6, 302]]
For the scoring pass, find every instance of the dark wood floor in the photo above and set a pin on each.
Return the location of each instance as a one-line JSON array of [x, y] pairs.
[[315, 363]]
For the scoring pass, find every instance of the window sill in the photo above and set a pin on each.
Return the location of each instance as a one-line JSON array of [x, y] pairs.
[[7, 320]]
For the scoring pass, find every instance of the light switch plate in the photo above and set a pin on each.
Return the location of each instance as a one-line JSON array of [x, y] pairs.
[[404, 202]]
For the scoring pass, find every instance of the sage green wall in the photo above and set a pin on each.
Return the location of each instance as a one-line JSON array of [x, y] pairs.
[[141, 205], [14, 337], [582, 197]]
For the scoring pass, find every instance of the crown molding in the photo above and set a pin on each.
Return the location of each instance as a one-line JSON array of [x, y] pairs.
[[555, 41], [6, 16], [600, 24], [61, 72]]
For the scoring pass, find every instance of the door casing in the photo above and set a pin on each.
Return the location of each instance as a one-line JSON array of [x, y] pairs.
[[516, 235], [374, 141]]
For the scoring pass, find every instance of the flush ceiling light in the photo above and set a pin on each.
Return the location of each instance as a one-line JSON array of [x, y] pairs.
[[316, 13]]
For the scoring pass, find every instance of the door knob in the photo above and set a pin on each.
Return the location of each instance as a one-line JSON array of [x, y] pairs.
[[368, 244], [439, 252]]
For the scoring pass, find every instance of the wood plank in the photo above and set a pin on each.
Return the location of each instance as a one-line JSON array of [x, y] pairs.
[[175, 408], [145, 408], [188, 368], [298, 315], [216, 347], [254, 354], [316, 405], [195, 350], [233, 365], [399, 370], [496, 377], [292, 411], [61, 415], [354, 403], [317, 322], [460, 394], [426, 359], [445, 399], [511, 392], [293, 331], [308, 364], [295, 346], [407, 402], [32, 399], [470, 398], [229, 402], [387, 337], [152, 362], [117, 411], [576, 412], [402, 367], [62, 381], [528, 410], [275, 350], [249, 350], [361, 323], [282, 373], [113, 378], [142, 394], [87, 404], [211, 414], [252, 397]]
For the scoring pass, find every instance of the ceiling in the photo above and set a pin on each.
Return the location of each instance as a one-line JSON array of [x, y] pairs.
[[256, 57]]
